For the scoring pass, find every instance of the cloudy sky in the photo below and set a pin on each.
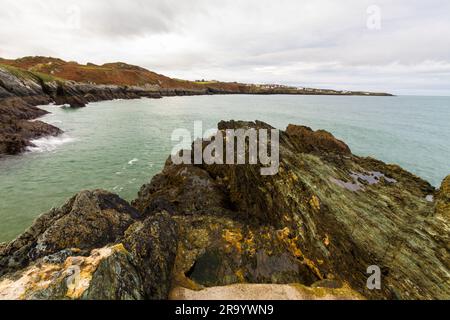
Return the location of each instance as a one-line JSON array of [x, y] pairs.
[[399, 46]]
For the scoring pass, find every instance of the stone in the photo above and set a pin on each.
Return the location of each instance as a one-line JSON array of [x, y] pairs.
[[90, 219]]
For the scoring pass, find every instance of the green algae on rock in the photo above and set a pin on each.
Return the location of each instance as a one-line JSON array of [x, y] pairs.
[[200, 230]]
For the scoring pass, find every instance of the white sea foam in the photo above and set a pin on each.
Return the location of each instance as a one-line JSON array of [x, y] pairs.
[[49, 144], [131, 162]]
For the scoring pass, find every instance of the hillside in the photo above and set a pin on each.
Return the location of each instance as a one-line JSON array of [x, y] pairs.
[[117, 73], [122, 74]]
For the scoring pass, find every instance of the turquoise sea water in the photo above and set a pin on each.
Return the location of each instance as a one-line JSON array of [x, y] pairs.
[[120, 145]]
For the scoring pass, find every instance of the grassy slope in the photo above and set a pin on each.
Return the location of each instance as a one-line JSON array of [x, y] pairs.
[[122, 74], [29, 74], [111, 73]]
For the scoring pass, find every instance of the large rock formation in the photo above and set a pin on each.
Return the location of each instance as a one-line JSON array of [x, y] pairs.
[[18, 96], [195, 231]]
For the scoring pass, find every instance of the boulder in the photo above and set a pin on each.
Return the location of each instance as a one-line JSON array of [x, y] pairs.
[[443, 199], [326, 215], [105, 274], [89, 220], [153, 246]]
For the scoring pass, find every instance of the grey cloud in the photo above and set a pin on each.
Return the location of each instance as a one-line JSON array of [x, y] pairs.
[[308, 42]]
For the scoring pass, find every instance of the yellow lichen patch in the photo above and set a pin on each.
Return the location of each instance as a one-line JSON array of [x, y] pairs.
[[326, 240], [314, 202], [343, 293], [240, 275], [249, 243], [75, 274], [34, 278], [284, 233], [291, 243], [80, 269], [236, 240], [293, 176]]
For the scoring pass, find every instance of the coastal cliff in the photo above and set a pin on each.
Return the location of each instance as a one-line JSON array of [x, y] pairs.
[[225, 231], [33, 81]]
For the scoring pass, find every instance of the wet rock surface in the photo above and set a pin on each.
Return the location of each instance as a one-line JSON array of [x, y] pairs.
[[220, 231]]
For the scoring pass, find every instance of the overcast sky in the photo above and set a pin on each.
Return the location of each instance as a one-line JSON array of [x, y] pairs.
[[399, 46]]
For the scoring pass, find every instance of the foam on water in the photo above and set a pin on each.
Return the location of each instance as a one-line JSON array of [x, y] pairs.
[[49, 144], [131, 162]]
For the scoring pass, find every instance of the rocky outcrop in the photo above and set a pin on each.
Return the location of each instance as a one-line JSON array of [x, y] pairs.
[[327, 214], [443, 200], [103, 274], [153, 246], [18, 96], [89, 220], [220, 231]]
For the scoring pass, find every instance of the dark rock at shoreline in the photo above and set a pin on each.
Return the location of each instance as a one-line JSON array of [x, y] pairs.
[[333, 227], [15, 129], [318, 224], [307, 140], [89, 220]]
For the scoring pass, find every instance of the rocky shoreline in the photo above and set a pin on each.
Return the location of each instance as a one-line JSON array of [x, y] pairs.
[[225, 231], [22, 89], [19, 97]]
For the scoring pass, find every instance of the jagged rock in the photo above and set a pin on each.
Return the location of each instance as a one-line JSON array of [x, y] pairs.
[[307, 140], [184, 188], [443, 199], [18, 95], [153, 245], [337, 214], [218, 251], [90, 219], [105, 274], [320, 222]]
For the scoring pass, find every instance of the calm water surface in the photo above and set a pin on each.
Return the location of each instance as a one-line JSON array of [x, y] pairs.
[[120, 145]]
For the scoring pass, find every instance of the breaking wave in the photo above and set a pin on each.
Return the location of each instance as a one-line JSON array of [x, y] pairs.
[[48, 144]]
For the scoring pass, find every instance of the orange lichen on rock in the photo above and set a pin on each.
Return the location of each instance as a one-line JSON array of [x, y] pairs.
[[314, 202], [291, 242], [235, 239]]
